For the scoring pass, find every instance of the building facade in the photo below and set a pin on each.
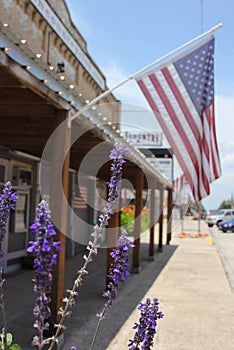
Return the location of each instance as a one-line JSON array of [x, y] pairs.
[[46, 76]]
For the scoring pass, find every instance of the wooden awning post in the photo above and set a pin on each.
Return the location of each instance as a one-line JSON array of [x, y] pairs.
[[57, 201], [169, 215], [152, 223], [160, 232], [137, 225]]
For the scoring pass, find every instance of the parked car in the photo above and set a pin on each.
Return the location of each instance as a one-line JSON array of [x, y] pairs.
[[227, 226], [214, 218], [220, 225]]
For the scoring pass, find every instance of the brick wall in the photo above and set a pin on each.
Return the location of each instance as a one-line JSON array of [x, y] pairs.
[[26, 22]]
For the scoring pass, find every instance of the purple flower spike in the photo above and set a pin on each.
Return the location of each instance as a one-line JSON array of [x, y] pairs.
[[118, 274], [115, 183], [7, 202], [117, 157], [146, 328], [119, 270], [43, 249]]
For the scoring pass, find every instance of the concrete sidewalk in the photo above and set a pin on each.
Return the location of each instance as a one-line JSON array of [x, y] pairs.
[[194, 294], [195, 297], [187, 277]]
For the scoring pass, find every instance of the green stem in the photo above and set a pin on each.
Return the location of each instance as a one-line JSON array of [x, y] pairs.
[[98, 326], [3, 308]]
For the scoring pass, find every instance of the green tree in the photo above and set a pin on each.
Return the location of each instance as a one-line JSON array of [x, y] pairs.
[[225, 205]]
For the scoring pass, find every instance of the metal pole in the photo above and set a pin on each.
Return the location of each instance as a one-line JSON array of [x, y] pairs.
[[181, 204], [182, 219], [199, 218], [133, 76]]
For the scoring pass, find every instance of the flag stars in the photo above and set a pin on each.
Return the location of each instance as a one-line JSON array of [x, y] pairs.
[[196, 72]]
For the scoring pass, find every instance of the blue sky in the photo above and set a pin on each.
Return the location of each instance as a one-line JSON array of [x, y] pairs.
[[124, 36]]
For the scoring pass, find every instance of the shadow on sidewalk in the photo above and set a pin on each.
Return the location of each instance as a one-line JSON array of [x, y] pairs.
[[20, 299], [81, 326]]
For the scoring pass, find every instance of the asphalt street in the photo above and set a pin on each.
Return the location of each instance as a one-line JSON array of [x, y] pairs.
[[225, 246]]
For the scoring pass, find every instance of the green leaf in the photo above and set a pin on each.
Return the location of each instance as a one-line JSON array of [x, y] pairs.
[[15, 347], [9, 339]]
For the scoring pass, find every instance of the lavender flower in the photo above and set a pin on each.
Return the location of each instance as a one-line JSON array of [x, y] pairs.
[[44, 258], [119, 270], [118, 274], [146, 328], [7, 202], [117, 157]]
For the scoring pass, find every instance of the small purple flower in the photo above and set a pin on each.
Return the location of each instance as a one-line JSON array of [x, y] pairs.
[[116, 155], [43, 249], [146, 328], [115, 183], [7, 202], [119, 270]]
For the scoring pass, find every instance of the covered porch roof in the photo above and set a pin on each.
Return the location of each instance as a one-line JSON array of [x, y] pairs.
[[28, 116]]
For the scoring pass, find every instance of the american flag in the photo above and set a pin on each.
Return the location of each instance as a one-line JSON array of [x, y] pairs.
[[178, 183], [181, 94], [80, 198]]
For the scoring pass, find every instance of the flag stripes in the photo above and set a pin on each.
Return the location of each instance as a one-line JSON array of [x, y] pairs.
[[80, 199], [191, 135]]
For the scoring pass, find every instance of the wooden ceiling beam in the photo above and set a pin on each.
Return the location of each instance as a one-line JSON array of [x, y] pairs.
[[33, 122], [20, 96], [14, 141], [12, 68]]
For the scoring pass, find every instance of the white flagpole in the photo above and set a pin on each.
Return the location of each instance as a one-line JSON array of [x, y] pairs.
[[133, 76]]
